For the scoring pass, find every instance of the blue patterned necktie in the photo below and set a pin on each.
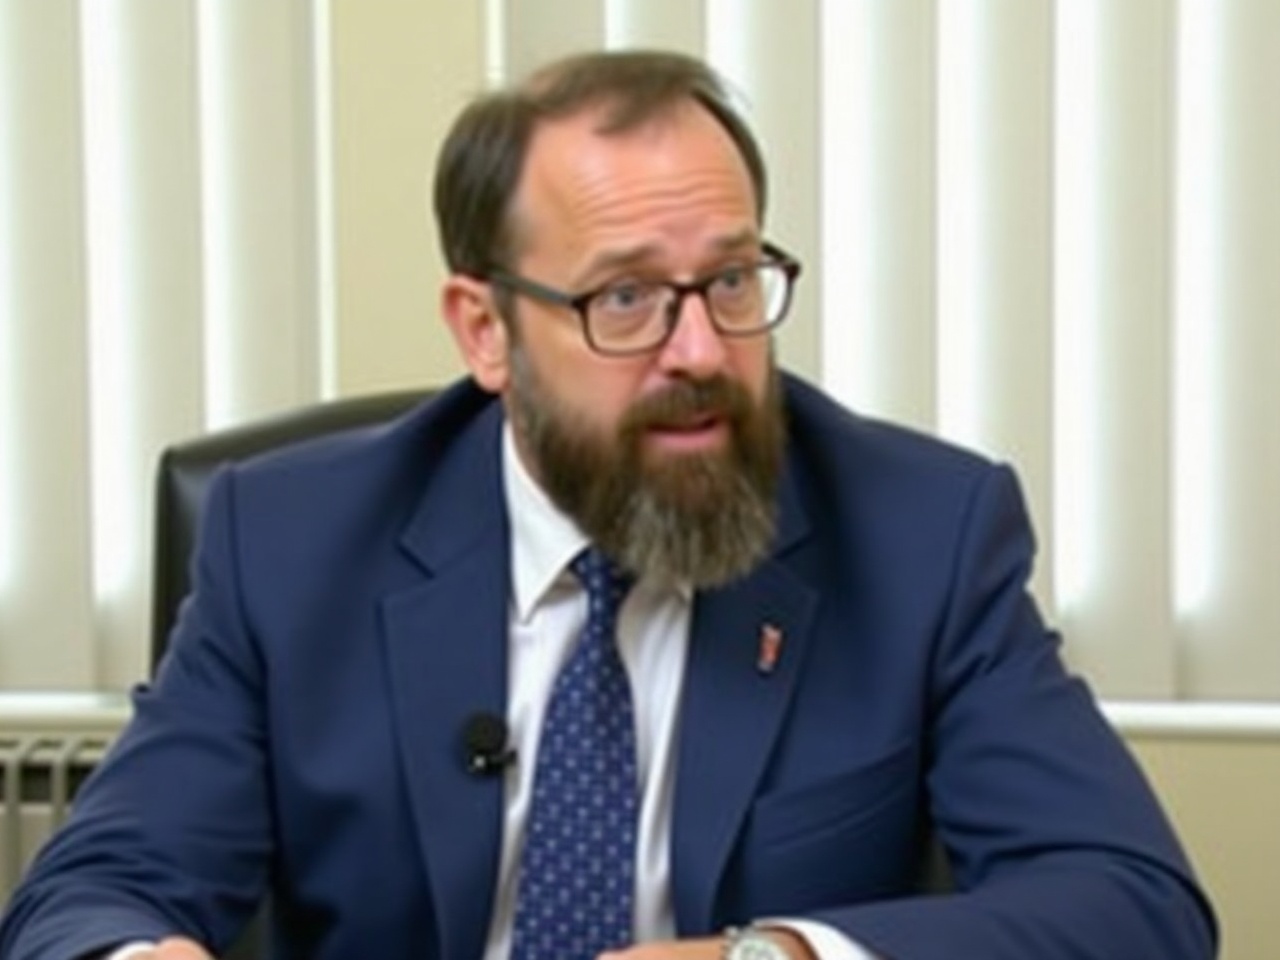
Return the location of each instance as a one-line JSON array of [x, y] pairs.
[[577, 872]]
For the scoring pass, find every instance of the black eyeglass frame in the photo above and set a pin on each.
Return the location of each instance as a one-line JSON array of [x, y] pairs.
[[773, 256]]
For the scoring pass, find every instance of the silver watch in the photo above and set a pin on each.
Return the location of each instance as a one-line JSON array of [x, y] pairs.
[[748, 943]]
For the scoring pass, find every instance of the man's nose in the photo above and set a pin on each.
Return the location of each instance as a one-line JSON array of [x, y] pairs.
[[695, 346]]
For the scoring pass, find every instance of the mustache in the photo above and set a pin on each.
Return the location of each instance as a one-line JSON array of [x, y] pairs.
[[687, 401]]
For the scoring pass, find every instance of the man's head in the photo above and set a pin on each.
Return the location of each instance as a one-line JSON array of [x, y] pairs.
[[480, 164], [610, 281]]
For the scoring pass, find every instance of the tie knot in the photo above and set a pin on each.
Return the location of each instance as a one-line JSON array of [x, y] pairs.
[[605, 582]]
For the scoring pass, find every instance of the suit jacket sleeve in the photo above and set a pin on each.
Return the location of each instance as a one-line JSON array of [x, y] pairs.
[[172, 834], [1058, 846]]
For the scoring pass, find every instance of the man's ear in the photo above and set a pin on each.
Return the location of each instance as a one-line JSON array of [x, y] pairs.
[[478, 330]]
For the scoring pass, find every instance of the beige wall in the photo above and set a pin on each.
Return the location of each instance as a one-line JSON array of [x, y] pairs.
[[1224, 797], [402, 69]]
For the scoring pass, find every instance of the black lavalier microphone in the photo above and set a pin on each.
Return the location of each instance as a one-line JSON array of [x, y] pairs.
[[484, 738]]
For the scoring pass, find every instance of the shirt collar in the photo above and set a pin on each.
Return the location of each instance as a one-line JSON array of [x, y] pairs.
[[543, 539]]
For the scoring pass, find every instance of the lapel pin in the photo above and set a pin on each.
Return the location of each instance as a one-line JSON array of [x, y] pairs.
[[770, 648]]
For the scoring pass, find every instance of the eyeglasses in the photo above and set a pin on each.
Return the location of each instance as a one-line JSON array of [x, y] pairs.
[[630, 317]]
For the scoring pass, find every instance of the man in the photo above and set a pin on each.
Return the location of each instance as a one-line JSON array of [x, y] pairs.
[[813, 642]]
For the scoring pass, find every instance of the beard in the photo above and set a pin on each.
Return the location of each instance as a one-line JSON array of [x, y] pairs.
[[704, 518]]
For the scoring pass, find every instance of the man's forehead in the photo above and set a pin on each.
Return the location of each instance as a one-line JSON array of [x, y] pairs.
[[680, 164]]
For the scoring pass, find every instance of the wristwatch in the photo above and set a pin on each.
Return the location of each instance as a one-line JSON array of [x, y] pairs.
[[748, 943]]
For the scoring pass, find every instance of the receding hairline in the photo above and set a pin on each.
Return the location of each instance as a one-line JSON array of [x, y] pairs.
[[632, 88], [604, 128]]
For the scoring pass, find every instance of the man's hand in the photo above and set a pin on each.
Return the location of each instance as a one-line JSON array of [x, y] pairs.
[[710, 948]]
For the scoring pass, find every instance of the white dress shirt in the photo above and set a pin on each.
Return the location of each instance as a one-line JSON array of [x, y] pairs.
[[547, 613]]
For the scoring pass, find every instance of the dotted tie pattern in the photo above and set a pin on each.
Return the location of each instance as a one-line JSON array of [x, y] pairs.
[[577, 871]]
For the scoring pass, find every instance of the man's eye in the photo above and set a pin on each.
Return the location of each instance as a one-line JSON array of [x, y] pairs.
[[734, 281], [626, 297]]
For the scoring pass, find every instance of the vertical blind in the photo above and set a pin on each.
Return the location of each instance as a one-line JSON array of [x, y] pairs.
[[1050, 231], [158, 276]]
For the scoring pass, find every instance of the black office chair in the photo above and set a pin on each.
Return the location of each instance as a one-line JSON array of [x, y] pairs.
[[185, 468], [182, 480]]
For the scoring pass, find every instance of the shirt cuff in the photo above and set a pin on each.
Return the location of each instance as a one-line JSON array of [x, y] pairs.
[[131, 949], [824, 940]]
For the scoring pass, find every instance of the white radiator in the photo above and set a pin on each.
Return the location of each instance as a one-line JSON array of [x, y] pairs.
[[48, 744]]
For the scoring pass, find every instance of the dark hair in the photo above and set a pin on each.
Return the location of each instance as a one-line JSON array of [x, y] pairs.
[[480, 163]]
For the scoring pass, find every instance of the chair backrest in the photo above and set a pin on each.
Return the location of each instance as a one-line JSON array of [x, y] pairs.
[[185, 468]]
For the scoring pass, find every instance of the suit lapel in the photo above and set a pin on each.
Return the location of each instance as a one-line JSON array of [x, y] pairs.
[[745, 651], [445, 642]]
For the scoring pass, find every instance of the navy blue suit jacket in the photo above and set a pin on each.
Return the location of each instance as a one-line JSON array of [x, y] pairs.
[[350, 612]]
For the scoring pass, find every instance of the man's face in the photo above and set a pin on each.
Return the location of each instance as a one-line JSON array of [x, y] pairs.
[[667, 460]]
